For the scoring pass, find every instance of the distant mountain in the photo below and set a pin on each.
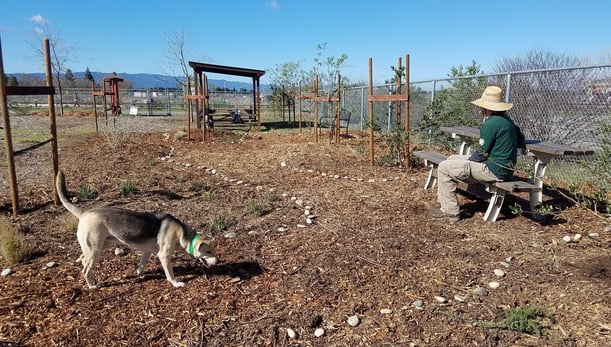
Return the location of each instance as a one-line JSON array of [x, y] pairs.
[[145, 80]]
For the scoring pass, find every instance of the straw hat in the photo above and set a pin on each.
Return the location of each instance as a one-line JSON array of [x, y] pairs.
[[491, 100]]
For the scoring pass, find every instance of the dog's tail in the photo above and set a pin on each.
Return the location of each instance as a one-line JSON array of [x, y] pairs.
[[60, 185]]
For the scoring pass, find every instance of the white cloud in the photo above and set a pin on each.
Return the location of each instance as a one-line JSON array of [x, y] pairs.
[[39, 19], [275, 5], [38, 31]]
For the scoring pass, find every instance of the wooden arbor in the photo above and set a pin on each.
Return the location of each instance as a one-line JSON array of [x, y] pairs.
[[34, 90], [113, 91], [201, 88], [398, 97]]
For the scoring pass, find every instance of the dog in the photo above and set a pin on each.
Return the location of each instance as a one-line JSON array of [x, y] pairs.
[[147, 232]]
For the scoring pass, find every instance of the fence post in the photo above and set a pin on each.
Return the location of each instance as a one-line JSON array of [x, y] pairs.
[[507, 87]]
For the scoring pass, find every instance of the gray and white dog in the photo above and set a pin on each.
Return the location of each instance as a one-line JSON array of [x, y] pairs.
[[147, 232]]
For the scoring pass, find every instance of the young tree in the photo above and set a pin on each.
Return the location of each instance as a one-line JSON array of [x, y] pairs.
[[59, 50]]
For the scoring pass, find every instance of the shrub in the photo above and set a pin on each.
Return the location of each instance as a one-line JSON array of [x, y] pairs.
[[218, 223], [126, 188], [14, 246], [85, 192]]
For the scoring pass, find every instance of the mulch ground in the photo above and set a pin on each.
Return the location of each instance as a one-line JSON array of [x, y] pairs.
[[370, 251]]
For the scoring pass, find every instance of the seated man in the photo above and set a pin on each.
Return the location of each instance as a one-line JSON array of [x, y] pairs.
[[499, 139]]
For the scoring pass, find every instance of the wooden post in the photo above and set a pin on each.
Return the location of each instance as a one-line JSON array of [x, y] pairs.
[[10, 159], [300, 113], [316, 108], [339, 106], [95, 107], [371, 155], [52, 123], [407, 145], [398, 91], [189, 110]]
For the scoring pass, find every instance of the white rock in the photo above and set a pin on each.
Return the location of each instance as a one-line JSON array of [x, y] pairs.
[[6, 272], [239, 182], [293, 198], [213, 171], [371, 180], [319, 332], [576, 237], [51, 264], [259, 188], [509, 259], [119, 251], [230, 235], [440, 299], [499, 272], [309, 220], [607, 229], [418, 304], [481, 291], [291, 333], [306, 212], [283, 164], [567, 239], [385, 311], [299, 202], [336, 176], [353, 321], [493, 284], [459, 298], [504, 263], [282, 229], [301, 226], [594, 235]]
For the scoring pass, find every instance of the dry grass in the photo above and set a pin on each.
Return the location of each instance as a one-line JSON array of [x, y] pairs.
[[14, 246]]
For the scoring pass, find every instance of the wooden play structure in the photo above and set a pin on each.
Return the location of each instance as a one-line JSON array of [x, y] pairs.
[[110, 88], [334, 134], [48, 90], [398, 97], [208, 118]]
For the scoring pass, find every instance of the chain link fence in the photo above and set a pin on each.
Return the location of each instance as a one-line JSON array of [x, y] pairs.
[[569, 106]]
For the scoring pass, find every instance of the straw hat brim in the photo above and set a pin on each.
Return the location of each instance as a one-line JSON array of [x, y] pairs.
[[492, 106]]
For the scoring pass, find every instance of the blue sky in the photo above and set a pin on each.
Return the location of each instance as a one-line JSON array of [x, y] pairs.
[[128, 36]]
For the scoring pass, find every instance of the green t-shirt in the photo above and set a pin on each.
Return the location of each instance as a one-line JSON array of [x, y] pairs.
[[500, 139]]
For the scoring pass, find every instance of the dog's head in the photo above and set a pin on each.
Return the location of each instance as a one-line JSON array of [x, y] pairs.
[[202, 251]]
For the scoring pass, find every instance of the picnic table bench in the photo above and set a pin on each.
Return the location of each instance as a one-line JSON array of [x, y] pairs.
[[542, 151]]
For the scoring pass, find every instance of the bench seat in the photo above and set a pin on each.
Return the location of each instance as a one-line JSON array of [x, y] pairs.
[[496, 190]]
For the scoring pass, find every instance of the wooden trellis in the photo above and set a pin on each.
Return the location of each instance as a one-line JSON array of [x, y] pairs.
[[398, 97], [321, 98], [48, 90], [113, 91]]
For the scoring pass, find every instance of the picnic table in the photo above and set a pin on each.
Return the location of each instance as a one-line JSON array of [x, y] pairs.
[[542, 151]]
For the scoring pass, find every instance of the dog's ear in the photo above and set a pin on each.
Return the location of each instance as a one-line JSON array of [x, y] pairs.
[[205, 249]]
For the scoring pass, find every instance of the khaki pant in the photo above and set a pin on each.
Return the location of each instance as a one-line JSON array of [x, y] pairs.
[[461, 168]]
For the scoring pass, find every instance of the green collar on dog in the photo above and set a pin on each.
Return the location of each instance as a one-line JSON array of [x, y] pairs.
[[192, 244]]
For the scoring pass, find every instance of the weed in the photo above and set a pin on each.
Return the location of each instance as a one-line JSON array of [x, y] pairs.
[[152, 161], [127, 188], [68, 223], [256, 208], [218, 223], [85, 192], [197, 186], [528, 319], [14, 247], [209, 195], [180, 178], [271, 197]]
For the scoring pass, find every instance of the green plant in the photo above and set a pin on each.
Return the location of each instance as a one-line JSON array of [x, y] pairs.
[[180, 178], [85, 192], [271, 197], [218, 223], [209, 194], [395, 140], [256, 208], [528, 319], [14, 246], [127, 188], [152, 161], [197, 186]]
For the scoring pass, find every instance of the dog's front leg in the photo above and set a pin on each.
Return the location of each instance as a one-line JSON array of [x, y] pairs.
[[167, 268], [143, 259]]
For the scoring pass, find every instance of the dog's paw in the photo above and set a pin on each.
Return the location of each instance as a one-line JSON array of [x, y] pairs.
[[177, 284]]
